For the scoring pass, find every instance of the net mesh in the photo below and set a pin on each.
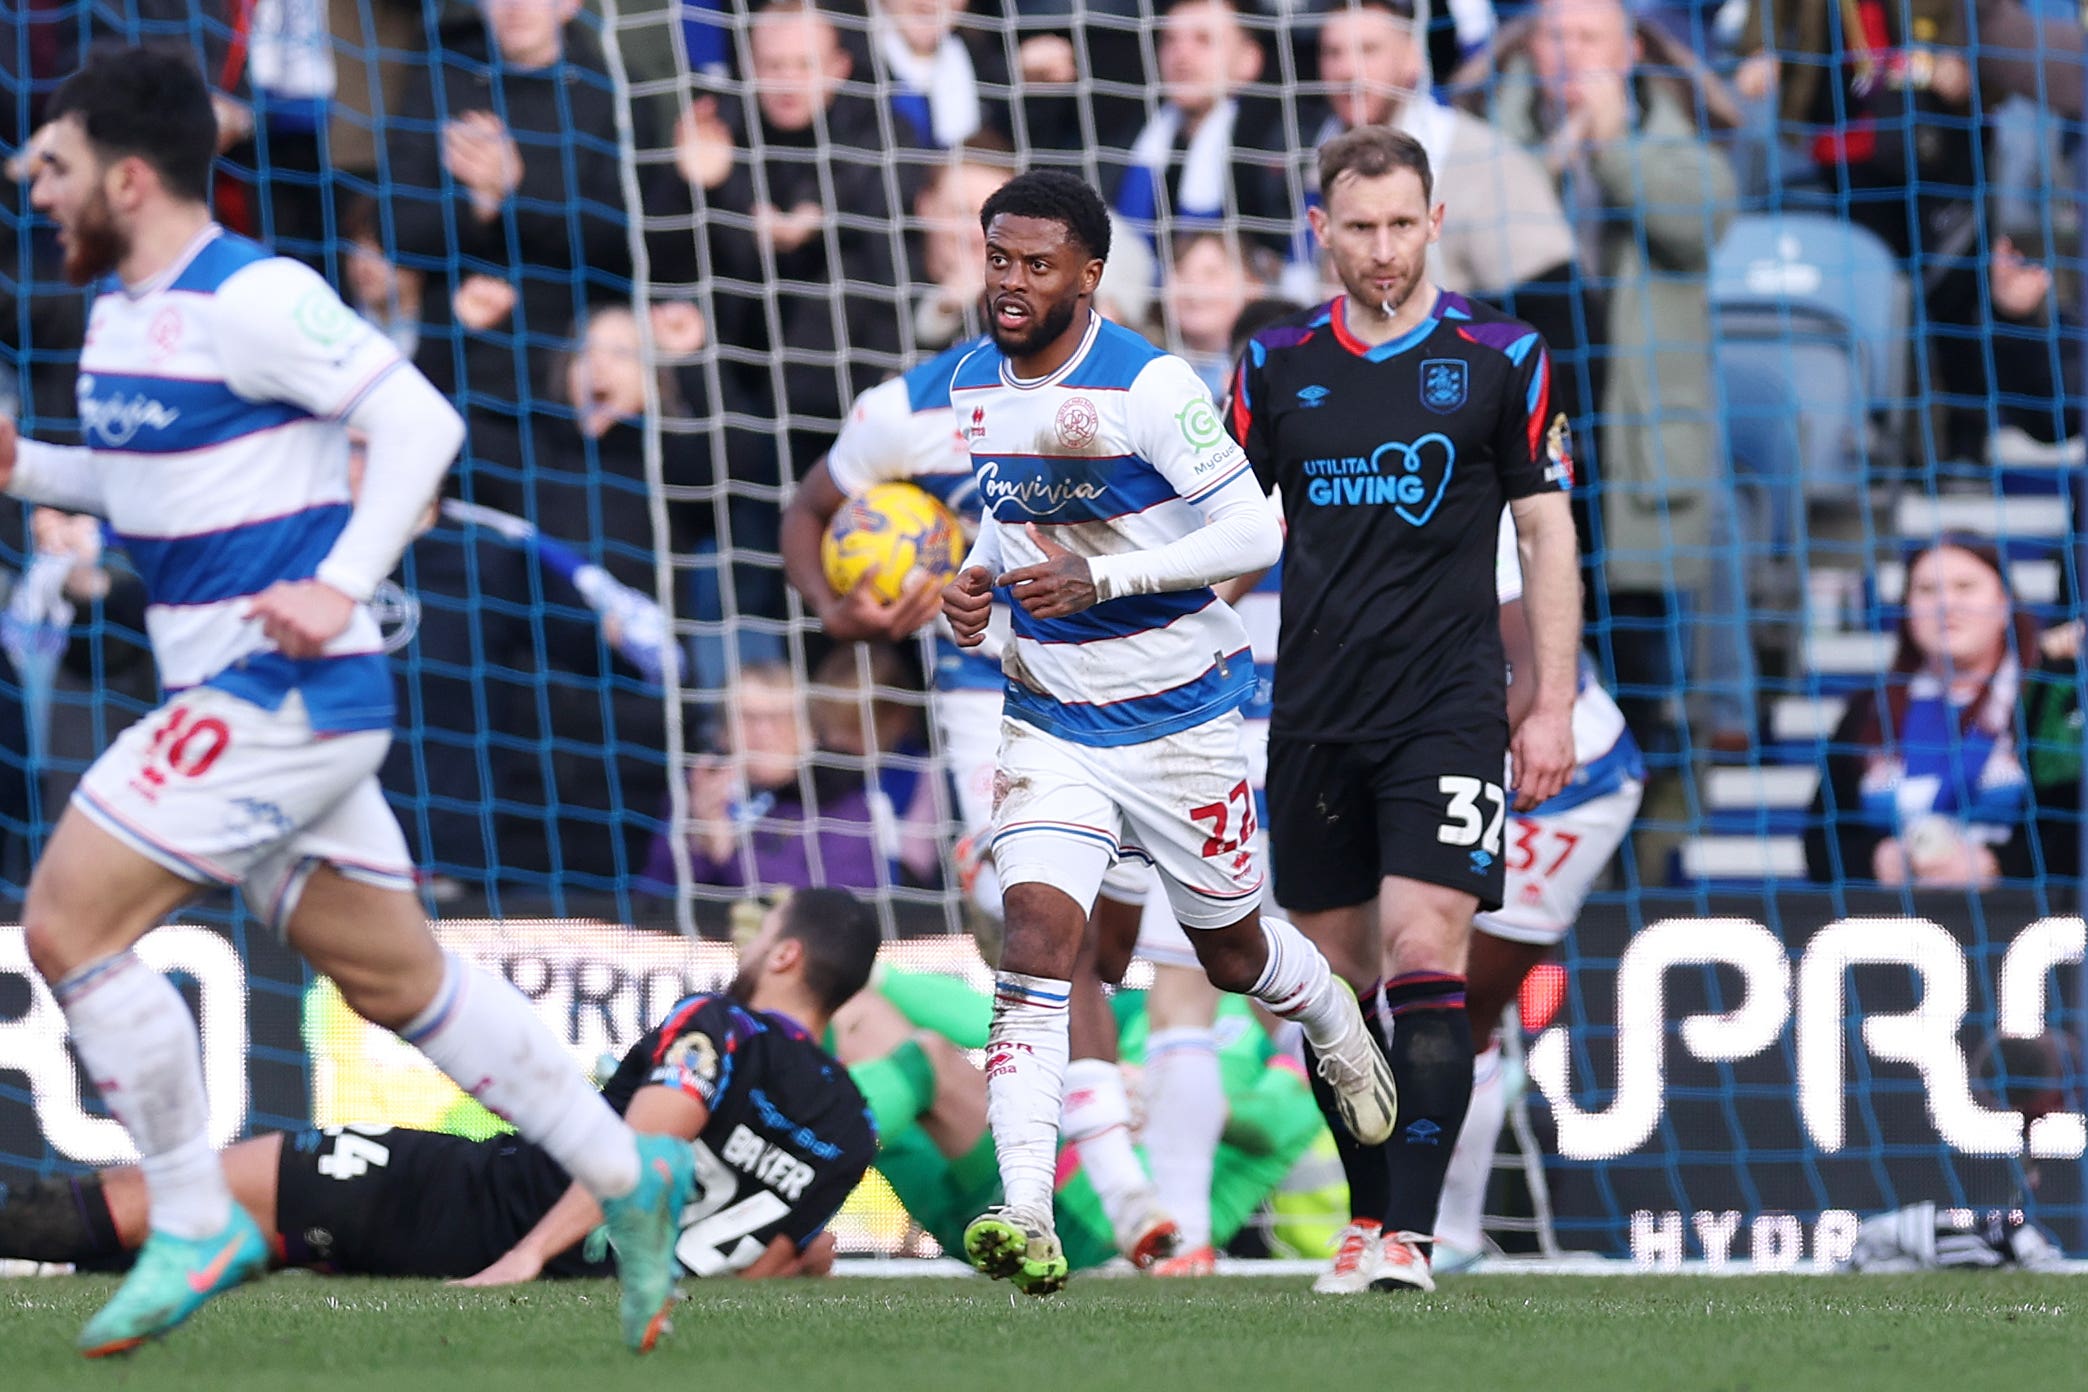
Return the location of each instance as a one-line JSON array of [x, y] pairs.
[[1800, 331]]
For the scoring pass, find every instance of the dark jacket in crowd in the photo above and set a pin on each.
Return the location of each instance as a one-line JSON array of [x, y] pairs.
[[560, 239]]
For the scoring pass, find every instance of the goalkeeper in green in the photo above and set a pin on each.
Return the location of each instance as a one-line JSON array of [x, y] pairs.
[[904, 1042]]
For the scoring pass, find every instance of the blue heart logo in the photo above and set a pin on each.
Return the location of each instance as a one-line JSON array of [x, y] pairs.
[[1418, 462]]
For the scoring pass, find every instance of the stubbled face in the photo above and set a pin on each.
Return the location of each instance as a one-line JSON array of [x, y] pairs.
[[606, 381], [1370, 63], [1035, 276], [1203, 55], [1377, 233], [1210, 286], [1957, 610], [1581, 42], [798, 64], [71, 188]]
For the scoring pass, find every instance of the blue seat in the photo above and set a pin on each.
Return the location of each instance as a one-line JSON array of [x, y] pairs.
[[1822, 304], [1765, 434]]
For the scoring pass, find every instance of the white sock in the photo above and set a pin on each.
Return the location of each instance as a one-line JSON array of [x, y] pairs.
[[1460, 1218], [1097, 1118], [134, 1033], [1185, 1114], [1296, 983], [1026, 1050], [481, 1032]]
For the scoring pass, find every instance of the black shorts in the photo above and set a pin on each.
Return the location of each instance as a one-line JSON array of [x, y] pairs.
[[1426, 805], [372, 1201]]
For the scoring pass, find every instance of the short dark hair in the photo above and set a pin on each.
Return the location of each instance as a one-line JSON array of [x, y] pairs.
[[149, 101], [1055, 196], [840, 937], [1370, 152]]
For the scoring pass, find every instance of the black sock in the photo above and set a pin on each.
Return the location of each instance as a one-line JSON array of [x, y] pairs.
[[57, 1220], [1431, 1058], [1369, 1176]]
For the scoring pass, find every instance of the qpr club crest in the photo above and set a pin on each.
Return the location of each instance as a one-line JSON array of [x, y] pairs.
[[1077, 423], [1445, 383]]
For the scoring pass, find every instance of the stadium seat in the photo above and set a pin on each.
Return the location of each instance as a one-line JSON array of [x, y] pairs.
[[1740, 860], [1820, 305], [1766, 430], [1797, 724], [2020, 526], [1761, 800]]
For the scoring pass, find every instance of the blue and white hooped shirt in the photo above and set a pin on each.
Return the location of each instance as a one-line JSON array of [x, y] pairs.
[[213, 399], [1112, 453]]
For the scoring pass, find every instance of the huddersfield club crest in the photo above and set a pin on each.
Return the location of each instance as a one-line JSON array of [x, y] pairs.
[[1445, 383]]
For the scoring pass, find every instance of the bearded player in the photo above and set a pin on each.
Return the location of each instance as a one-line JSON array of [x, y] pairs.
[[1397, 420], [1113, 500], [217, 389]]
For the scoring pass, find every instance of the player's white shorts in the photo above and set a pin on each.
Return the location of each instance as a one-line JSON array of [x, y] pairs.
[[1553, 862], [220, 791], [1064, 813]]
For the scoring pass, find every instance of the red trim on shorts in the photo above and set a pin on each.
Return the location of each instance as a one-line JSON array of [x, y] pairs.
[[124, 829]]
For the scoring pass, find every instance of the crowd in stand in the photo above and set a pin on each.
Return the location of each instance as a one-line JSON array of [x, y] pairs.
[[798, 183]]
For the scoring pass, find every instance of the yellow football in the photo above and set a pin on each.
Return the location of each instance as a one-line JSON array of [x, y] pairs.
[[889, 533]]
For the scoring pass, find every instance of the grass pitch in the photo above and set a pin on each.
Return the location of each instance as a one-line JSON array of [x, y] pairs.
[[1499, 1333]]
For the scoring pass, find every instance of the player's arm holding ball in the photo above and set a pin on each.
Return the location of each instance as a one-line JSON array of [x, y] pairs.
[[876, 431], [859, 615]]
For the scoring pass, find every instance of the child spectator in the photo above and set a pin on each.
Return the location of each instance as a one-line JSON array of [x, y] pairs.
[[775, 809]]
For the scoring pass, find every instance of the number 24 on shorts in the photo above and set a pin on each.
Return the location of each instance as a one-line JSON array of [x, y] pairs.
[[1466, 824]]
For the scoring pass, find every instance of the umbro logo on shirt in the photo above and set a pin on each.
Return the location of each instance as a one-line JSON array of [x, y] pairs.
[[1313, 396]]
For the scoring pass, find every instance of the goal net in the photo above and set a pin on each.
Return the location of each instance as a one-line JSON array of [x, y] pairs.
[[1802, 325]]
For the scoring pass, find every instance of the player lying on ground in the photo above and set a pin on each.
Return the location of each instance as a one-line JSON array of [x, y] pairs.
[[217, 388], [913, 1029], [777, 1131], [1113, 500]]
